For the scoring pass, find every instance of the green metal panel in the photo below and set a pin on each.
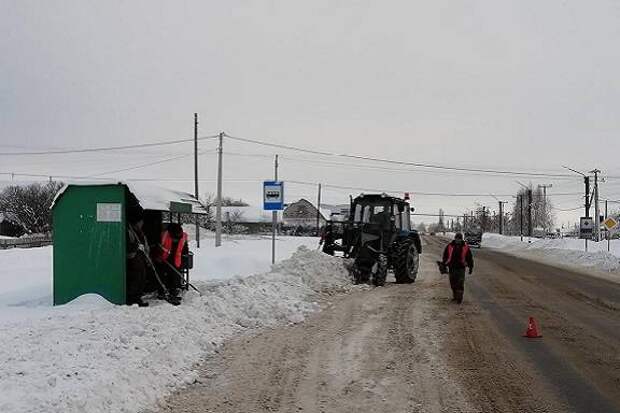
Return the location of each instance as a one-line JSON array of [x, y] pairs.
[[89, 247], [180, 207]]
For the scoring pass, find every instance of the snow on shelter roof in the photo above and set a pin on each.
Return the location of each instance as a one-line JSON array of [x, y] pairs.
[[150, 196]]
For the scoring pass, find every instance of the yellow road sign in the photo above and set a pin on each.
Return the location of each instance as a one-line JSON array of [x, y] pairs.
[[610, 223]]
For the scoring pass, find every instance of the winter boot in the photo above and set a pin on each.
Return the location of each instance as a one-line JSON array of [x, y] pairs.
[[137, 300]]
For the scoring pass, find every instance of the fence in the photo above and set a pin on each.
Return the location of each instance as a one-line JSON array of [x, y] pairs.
[[26, 242]]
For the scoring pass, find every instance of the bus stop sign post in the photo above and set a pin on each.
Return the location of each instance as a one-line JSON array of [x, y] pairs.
[[273, 200]]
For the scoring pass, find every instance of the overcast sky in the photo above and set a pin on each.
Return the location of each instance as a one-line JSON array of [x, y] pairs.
[[523, 85]]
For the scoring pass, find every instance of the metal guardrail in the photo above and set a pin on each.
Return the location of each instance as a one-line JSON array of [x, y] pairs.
[[29, 242]]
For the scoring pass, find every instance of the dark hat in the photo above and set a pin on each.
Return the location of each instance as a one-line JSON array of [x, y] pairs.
[[176, 230], [135, 213]]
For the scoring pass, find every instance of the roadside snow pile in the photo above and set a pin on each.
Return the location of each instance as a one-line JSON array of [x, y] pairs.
[[26, 276], [91, 356], [565, 251], [243, 255]]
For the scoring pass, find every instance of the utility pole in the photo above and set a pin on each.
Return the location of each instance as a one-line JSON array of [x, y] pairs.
[[597, 212], [318, 212], [274, 218], [586, 181], [218, 207], [501, 216], [529, 212], [196, 193], [484, 219], [528, 191], [546, 208], [521, 215], [608, 231]]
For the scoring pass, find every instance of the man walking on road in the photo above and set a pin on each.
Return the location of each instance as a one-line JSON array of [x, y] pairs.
[[457, 256]]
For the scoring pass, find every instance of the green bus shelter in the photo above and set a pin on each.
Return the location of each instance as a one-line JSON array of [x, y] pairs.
[[90, 230]]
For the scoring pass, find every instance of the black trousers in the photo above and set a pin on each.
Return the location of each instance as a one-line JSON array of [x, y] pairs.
[[136, 278], [457, 282]]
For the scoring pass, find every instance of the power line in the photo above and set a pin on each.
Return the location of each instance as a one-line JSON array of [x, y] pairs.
[[396, 162], [567, 209], [105, 148], [144, 165], [418, 193], [436, 215]]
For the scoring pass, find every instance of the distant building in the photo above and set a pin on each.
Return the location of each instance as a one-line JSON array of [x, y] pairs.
[[303, 213]]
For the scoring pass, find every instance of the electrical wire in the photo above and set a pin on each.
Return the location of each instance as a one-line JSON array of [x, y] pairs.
[[395, 162], [144, 165], [567, 209], [412, 192], [107, 148]]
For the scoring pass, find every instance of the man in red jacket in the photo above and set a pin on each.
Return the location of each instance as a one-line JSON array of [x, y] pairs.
[[457, 256], [173, 247]]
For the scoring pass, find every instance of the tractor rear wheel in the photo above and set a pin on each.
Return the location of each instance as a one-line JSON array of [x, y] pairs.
[[406, 262], [380, 274]]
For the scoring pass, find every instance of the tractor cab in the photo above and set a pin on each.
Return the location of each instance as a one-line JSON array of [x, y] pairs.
[[379, 237]]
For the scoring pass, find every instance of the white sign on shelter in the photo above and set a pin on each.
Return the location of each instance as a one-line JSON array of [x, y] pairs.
[[109, 212]]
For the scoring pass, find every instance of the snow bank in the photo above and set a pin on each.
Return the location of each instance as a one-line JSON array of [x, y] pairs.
[[243, 256], [565, 251], [90, 356], [26, 276]]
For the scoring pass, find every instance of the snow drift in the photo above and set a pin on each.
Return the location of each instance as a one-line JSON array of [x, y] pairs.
[[91, 356], [565, 251]]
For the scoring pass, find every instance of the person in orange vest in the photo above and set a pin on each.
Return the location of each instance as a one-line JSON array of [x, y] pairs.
[[173, 247], [457, 257]]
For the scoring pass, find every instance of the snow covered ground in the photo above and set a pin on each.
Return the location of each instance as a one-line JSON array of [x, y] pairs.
[[26, 277], [565, 251], [92, 356]]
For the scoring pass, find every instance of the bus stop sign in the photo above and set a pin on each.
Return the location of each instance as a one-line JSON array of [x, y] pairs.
[[273, 195]]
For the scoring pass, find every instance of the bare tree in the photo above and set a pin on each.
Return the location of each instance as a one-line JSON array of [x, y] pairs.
[[542, 211], [234, 223], [30, 205]]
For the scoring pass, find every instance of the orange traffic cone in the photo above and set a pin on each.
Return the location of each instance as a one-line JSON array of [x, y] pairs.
[[532, 329]]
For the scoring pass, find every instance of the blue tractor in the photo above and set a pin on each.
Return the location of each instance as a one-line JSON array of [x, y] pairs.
[[378, 237]]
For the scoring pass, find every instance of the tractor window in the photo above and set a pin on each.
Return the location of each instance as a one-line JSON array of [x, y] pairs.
[[406, 221], [396, 217], [366, 216], [358, 213]]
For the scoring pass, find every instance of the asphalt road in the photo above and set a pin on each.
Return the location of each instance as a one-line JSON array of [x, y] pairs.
[[578, 358], [407, 348]]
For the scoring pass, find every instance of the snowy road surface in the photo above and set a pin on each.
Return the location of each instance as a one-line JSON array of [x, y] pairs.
[[407, 348], [402, 348]]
